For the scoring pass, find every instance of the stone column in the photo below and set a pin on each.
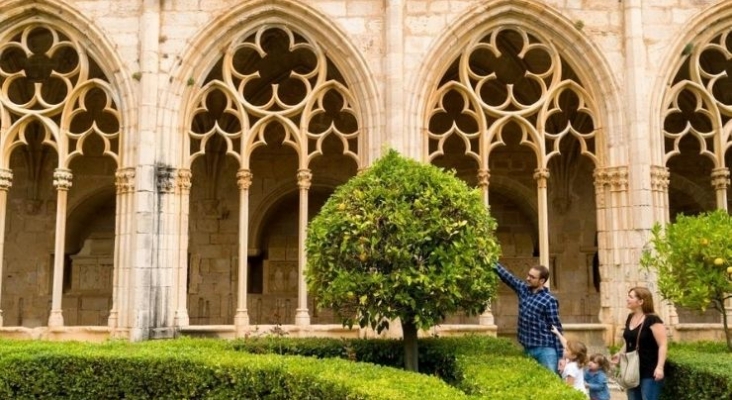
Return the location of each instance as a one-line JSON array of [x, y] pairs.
[[160, 276], [125, 185], [483, 181], [604, 219], [6, 181], [62, 183], [241, 319], [621, 226], [659, 190], [394, 93], [181, 317], [541, 175], [720, 182], [302, 316]]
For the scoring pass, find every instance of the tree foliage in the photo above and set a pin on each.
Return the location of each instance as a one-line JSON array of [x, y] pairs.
[[693, 260], [402, 240]]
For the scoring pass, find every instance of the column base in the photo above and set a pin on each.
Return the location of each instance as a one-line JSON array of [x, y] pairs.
[[241, 319], [181, 318], [486, 319], [302, 317], [56, 319], [113, 319]]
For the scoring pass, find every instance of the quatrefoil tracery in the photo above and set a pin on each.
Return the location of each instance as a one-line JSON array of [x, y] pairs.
[[699, 101], [45, 76], [275, 80], [510, 77]]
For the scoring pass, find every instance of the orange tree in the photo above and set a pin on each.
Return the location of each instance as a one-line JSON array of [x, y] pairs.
[[402, 240], [693, 260]]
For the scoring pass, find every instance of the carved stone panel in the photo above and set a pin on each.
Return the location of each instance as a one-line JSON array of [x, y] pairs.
[[280, 277]]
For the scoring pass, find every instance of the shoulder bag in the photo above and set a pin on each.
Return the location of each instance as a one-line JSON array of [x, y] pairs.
[[628, 373]]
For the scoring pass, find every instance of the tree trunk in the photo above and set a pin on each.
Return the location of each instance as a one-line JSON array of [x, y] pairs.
[[411, 352], [726, 327]]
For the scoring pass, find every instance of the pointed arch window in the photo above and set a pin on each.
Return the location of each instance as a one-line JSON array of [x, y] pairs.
[[510, 86], [697, 128], [274, 98], [58, 108]]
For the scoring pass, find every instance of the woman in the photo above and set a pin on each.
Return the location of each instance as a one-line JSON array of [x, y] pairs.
[[652, 343]]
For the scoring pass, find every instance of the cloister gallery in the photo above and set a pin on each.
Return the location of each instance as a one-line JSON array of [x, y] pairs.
[[160, 160]]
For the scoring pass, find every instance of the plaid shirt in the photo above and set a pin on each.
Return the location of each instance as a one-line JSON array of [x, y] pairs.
[[537, 313]]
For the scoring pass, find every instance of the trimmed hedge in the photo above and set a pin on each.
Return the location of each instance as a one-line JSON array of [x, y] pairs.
[[698, 371], [482, 367], [196, 369], [475, 367]]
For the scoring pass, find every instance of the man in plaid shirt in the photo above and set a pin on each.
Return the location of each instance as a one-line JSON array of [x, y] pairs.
[[538, 311]]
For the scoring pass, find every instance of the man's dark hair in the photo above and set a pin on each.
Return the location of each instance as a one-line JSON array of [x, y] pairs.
[[543, 272]]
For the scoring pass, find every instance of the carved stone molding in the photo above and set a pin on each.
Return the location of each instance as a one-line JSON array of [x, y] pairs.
[[124, 180], [6, 179], [244, 179], [166, 177], [304, 179], [720, 178], [484, 177], [660, 178], [541, 175], [62, 179], [618, 177], [601, 180], [184, 180]]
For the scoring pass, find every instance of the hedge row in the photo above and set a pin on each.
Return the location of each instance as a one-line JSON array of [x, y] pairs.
[[698, 371], [196, 369], [472, 367], [480, 366]]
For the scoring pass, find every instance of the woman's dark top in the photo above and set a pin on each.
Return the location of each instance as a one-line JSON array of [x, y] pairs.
[[648, 351]]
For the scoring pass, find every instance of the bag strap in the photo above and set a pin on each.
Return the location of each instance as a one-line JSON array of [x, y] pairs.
[[637, 339]]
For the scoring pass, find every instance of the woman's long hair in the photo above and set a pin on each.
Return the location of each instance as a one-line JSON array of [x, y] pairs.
[[644, 294]]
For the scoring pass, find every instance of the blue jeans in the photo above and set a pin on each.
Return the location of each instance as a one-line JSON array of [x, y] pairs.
[[649, 389], [546, 356]]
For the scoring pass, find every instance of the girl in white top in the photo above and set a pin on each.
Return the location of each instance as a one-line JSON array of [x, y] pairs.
[[576, 354]]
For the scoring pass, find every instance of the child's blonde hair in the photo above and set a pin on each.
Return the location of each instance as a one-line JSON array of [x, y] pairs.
[[601, 361], [579, 350]]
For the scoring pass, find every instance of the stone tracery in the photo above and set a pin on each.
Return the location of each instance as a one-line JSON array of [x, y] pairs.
[[53, 96], [272, 87]]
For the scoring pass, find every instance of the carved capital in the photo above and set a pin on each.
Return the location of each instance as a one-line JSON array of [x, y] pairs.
[[601, 179], [62, 179], [659, 178], [6, 179], [541, 175], [618, 179], [484, 177], [184, 179], [165, 178], [720, 178], [304, 178], [244, 179], [124, 180]]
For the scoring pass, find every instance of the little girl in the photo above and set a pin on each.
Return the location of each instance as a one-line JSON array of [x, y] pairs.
[[596, 377], [576, 354]]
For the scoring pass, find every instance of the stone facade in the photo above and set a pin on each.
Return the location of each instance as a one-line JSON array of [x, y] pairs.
[[160, 159]]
